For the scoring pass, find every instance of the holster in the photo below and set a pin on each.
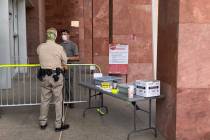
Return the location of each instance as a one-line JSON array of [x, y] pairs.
[[49, 72]]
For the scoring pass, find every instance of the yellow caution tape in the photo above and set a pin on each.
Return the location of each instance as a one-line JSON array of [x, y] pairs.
[[18, 65], [38, 65]]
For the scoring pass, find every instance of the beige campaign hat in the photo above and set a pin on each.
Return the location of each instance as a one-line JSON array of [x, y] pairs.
[[52, 30]]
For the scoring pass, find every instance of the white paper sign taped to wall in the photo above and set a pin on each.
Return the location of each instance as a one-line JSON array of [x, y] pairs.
[[118, 54]]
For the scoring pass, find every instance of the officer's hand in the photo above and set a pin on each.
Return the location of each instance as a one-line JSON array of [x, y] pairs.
[[65, 67]]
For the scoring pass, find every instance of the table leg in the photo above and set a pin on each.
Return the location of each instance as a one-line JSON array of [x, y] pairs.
[[150, 118], [98, 108], [89, 102], [134, 117], [150, 113], [135, 130], [102, 103], [134, 120]]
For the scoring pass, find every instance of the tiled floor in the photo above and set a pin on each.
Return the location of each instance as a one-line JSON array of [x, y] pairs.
[[21, 123]]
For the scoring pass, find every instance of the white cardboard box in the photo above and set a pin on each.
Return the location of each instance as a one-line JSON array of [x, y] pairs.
[[97, 75], [148, 88]]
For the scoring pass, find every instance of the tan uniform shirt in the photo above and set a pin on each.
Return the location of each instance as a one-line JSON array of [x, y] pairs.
[[51, 55]]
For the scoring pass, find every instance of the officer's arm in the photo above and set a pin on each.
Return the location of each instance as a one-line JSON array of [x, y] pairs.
[[37, 50], [64, 66]]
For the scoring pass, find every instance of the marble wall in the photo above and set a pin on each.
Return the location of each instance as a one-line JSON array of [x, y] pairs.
[[132, 25], [35, 22], [101, 33], [193, 80], [183, 68], [86, 52]]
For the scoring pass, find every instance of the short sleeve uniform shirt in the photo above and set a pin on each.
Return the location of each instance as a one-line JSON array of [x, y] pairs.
[[51, 55]]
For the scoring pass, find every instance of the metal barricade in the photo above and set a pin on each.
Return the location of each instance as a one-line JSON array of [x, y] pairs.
[[19, 85], [75, 74]]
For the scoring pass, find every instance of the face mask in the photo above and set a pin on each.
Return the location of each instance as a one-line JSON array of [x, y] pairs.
[[64, 37]]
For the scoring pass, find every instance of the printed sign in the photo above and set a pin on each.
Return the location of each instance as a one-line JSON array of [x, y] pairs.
[[118, 54], [118, 59]]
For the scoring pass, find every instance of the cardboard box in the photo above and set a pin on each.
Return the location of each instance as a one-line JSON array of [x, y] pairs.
[[148, 88]]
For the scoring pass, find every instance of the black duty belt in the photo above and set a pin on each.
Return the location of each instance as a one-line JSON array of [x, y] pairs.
[[49, 72]]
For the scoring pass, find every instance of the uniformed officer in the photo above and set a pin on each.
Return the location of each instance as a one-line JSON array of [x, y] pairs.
[[51, 57], [72, 52]]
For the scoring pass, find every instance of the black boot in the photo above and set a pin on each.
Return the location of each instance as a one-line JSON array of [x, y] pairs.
[[43, 126], [71, 105], [62, 128]]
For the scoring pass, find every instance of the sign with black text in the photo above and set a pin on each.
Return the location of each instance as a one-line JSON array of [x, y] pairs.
[[118, 59]]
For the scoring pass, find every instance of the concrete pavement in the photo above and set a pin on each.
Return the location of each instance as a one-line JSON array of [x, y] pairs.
[[21, 123]]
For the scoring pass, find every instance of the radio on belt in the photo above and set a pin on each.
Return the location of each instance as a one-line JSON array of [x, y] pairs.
[[147, 88]]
